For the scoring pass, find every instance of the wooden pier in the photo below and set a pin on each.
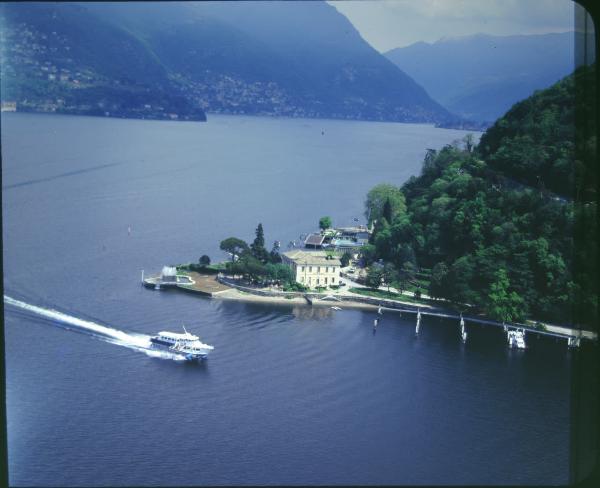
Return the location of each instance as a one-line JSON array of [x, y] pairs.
[[572, 335]]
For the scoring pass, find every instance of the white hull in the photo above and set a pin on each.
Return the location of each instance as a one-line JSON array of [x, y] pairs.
[[516, 339], [190, 356]]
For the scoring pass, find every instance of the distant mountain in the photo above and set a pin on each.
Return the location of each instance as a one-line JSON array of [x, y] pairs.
[[480, 77], [278, 58]]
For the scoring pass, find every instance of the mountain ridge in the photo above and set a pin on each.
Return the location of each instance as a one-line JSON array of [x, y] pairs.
[[480, 77]]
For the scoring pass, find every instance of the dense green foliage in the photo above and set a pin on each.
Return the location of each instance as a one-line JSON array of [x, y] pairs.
[[257, 248], [374, 277], [384, 200], [543, 140], [254, 270], [345, 259], [496, 241], [233, 246]]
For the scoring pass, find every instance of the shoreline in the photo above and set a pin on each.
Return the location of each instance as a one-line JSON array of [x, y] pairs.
[[262, 116], [210, 286], [234, 294], [553, 330]]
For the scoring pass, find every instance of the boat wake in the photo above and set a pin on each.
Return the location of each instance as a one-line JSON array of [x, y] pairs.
[[138, 342]]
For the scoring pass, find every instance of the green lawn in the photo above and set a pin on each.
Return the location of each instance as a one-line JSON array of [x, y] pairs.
[[391, 296], [382, 294]]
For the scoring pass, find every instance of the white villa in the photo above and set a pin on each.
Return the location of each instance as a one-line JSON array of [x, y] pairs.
[[313, 269]]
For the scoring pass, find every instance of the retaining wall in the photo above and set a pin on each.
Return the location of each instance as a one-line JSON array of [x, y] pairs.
[[256, 291]]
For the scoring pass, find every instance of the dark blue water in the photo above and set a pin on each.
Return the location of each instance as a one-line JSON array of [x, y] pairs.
[[290, 395]]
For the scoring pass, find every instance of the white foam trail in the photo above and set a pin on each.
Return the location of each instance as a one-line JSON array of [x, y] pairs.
[[139, 342]]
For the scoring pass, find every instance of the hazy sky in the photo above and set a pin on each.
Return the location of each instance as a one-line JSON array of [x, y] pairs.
[[387, 24]]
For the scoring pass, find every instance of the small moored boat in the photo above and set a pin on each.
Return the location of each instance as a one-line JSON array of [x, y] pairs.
[[516, 338]]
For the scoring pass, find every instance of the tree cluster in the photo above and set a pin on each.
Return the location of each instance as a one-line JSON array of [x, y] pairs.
[[254, 262]]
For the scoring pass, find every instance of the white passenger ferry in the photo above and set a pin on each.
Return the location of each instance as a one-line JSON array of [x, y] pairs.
[[187, 345]]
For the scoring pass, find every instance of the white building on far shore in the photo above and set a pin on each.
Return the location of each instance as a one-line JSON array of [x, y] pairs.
[[9, 106], [313, 269]]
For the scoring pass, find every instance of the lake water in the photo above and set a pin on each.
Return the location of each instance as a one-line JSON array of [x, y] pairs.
[[290, 395]]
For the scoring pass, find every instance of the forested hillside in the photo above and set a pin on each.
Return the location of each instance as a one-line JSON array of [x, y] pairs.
[[62, 58], [543, 140], [491, 235]]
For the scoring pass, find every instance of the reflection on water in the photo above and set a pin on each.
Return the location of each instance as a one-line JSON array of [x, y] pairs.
[[316, 312]]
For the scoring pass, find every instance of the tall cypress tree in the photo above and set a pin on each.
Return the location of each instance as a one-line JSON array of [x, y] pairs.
[[258, 246]]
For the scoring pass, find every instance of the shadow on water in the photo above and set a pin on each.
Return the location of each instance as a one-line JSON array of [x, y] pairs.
[[255, 315], [305, 312]]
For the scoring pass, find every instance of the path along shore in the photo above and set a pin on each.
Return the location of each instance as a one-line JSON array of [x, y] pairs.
[[221, 287]]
